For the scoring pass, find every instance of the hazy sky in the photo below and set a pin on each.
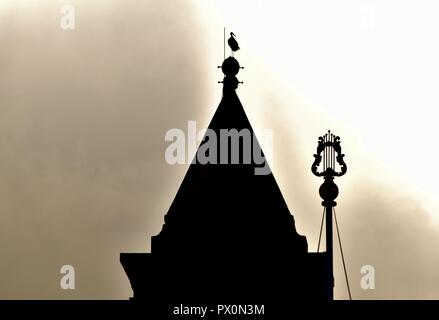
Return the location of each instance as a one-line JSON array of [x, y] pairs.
[[83, 114]]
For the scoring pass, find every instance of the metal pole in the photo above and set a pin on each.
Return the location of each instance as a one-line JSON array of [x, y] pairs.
[[224, 43], [329, 252], [328, 192]]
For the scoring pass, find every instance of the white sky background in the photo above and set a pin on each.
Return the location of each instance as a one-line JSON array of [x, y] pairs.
[[83, 117]]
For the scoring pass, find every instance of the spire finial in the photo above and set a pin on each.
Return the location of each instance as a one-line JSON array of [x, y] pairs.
[[230, 66]]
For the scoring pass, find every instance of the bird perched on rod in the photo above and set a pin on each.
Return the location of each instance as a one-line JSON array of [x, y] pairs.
[[233, 44]]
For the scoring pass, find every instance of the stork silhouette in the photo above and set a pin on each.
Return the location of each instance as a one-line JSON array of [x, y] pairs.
[[233, 44]]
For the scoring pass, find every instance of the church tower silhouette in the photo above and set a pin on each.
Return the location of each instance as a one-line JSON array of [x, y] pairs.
[[228, 234]]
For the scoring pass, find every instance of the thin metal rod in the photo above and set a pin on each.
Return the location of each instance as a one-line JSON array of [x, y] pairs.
[[224, 43], [321, 229], [327, 152], [329, 252], [324, 153], [333, 153], [323, 159], [342, 257], [330, 152]]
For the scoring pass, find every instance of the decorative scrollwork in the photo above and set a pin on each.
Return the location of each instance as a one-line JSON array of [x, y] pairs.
[[329, 145]]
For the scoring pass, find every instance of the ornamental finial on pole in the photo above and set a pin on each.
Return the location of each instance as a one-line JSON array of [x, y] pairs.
[[329, 163], [329, 145]]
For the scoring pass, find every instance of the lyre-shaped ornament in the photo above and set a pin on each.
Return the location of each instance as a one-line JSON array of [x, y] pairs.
[[329, 145]]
